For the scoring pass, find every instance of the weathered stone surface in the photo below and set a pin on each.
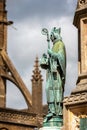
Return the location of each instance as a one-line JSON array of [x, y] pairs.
[[75, 106]]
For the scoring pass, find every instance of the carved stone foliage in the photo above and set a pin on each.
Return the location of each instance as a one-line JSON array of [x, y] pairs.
[[75, 123], [36, 72], [82, 2], [77, 98]]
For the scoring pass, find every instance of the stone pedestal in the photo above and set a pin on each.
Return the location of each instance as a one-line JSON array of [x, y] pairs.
[[51, 128], [56, 121]]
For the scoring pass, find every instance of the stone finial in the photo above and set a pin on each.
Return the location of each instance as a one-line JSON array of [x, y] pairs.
[[82, 4], [36, 72]]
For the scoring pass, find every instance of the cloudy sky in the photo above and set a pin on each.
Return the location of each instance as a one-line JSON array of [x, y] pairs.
[[25, 40]]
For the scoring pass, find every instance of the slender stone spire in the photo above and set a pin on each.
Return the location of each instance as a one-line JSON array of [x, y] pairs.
[[37, 88]]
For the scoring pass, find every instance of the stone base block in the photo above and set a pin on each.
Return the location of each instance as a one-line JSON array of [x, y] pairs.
[[51, 128], [56, 121]]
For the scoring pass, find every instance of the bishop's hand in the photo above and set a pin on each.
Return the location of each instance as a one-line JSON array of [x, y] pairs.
[[52, 54], [49, 51]]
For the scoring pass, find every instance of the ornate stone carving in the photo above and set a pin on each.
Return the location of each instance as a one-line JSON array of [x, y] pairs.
[[82, 2], [75, 123], [83, 116], [36, 72], [77, 98], [18, 117]]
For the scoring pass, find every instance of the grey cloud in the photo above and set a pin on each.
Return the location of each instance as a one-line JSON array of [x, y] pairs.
[[14, 97], [20, 9], [71, 78]]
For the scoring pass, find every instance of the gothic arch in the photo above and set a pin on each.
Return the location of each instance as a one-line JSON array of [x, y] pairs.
[[13, 76]]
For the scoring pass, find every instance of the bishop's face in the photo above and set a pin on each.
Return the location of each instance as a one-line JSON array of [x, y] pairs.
[[52, 37]]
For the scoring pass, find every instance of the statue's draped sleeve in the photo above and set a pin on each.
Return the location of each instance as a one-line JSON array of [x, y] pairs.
[[60, 53]]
